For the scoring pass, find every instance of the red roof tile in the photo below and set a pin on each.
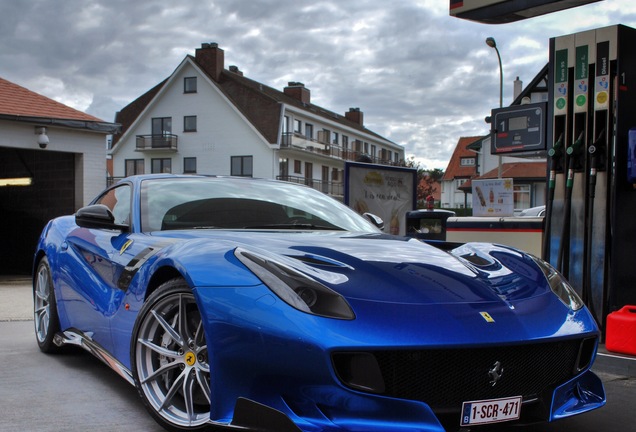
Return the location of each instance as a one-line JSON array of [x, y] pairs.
[[455, 169], [19, 101]]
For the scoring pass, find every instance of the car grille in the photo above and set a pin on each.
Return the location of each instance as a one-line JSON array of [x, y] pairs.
[[444, 378]]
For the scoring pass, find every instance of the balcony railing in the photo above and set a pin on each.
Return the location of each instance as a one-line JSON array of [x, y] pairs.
[[297, 141], [157, 142], [335, 189]]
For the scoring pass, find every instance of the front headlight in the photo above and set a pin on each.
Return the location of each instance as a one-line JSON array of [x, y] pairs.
[[560, 286], [294, 288]]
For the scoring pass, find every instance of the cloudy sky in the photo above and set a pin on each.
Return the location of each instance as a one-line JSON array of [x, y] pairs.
[[421, 77]]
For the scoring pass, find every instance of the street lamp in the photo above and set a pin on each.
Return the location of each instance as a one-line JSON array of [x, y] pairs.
[[490, 41]]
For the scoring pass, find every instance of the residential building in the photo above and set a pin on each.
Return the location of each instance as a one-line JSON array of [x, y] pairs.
[[207, 119], [472, 159]]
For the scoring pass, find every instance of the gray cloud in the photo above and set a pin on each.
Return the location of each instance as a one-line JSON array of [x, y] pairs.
[[422, 78]]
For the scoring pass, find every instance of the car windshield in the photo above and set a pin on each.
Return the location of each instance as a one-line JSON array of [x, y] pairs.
[[241, 203]]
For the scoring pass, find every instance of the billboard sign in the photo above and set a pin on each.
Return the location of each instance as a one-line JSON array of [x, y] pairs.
[[493, 197], [387, 192]]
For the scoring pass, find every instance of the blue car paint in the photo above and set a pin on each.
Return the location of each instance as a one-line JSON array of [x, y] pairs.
[[268, 351]]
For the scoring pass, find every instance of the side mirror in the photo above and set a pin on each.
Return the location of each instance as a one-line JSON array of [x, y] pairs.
[[375, 220], [97, 216]]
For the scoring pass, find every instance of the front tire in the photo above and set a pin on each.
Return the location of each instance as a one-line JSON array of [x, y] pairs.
[[45, 316], [169, 358]]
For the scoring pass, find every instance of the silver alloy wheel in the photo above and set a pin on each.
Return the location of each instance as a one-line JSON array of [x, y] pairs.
[[41, 303], [171, 357]]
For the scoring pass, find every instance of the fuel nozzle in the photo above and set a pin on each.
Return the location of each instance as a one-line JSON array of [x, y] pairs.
[[576, 147], [557, 148]]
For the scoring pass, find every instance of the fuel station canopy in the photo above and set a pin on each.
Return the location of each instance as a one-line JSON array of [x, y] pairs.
[[505, 11]]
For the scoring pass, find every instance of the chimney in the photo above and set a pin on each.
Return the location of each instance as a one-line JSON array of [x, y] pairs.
[[236, 70], [517, 88], [298, 91], [355, 115], [211, 58]]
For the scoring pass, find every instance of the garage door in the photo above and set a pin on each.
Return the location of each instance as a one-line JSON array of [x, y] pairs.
[[24, 210]]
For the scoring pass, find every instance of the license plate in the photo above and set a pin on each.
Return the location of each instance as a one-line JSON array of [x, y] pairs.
[[491, 411]]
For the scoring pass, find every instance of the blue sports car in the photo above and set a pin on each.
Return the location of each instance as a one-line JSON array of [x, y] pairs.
[[256, 305]]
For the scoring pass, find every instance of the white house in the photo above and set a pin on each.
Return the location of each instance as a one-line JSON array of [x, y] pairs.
[[207, 119]]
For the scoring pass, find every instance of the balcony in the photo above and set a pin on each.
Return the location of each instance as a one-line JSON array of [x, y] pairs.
[[163, 142], [335, 189], [300, 142]]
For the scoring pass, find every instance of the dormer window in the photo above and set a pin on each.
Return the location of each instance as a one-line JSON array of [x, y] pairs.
[[467, 161]]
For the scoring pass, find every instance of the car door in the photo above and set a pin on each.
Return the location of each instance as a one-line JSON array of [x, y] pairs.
[[93, 267]]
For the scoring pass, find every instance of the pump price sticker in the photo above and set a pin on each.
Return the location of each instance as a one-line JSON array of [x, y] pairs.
[[491, 411]]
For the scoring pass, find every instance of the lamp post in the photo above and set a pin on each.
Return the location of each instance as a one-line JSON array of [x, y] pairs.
[[490, 41]]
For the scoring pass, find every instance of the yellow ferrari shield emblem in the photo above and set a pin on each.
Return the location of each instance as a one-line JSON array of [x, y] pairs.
[[487, 317]]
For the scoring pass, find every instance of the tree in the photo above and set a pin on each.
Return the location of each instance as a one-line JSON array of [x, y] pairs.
[[427, 181]]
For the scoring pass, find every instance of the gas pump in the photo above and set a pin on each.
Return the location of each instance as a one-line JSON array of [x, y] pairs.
[[590, 228]]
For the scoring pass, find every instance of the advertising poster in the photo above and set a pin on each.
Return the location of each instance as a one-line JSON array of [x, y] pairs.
[[493, 197], [387, 192]]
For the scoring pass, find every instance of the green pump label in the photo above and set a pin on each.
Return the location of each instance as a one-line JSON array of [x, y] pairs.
[[581, 76], [560, 79]]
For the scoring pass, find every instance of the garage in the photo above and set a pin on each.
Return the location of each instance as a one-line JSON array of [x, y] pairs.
[[52, 162]]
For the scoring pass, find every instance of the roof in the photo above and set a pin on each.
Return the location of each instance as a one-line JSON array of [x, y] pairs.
[[455, 169], [528, 171], [521, 170], [259, 103], [20, 104], [19, 101]]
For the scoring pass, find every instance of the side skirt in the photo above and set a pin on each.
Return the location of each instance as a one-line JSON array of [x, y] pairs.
[[81, 339]]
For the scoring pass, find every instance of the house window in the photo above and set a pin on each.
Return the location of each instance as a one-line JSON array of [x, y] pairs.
[[460, 182], [189, 165], [366, 148], [373, 151], [163, 165], [297, 167], [190, 123], [467, 161], [286, 125], [241, 166], [309, 130], [298, 126], [190, 85], [334, 174], [134, 166], [162, 126], [345, 142], [335, 138], [521, 196]]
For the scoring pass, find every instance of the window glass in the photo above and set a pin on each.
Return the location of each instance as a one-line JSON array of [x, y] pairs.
[[161, 166], [118, 201], [190, 85], [189, 165], [190, 123], [241, 166], [236, 203], [134, 167]]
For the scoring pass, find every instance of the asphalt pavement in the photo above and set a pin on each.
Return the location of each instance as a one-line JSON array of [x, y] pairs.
[[37, 396]]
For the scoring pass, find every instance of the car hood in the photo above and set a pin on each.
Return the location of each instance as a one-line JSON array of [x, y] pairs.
[[383, 268]]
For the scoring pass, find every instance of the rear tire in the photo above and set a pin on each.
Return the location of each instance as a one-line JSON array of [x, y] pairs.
[[45, 317], [169, 358]]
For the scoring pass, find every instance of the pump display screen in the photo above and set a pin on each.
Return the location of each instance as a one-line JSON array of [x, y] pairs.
[[518, 123], [519, 129]]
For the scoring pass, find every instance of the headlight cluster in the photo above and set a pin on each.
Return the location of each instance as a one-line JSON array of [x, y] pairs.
[[294, 288], [560, 286]]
